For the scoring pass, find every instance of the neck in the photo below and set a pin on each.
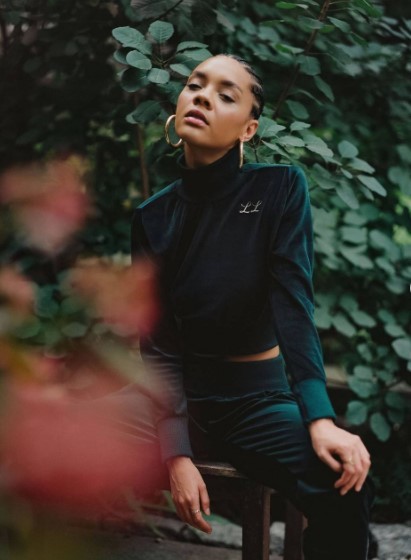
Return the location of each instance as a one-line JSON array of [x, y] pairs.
[[212, 181], [197, 157]]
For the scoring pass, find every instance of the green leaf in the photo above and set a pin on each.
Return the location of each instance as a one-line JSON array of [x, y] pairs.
[[404, 152], [356, 258], [276, 148], [354, 234], [380, 240], [130, 37], [225, 21], [343, 326], [291, 141], [380, 426], [363, 319], [286, 5], [317, 145], [161, 31], [356, 412], [364, 388], [146, 112], [133, 80], [311, 23], [361, 165], [299, 125], [309, 65], [363, 372], [368, 8], [297, 109], [288, 49], [74, 330], [45, 305], [28, 329], [340, 24], [401, 177], [347, 150], [396, 331], [158, 76], [267, 128], [71, 305], [385, 375], [322, 317], [372, 184], [396, 285], [396, 416], [197, 54], [120, 55], [402, 347], [180, 69], [186, 45], [395, 400], [148, 9], [138, 60], [324, 88]]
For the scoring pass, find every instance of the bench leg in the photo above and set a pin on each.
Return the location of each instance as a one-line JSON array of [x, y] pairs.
[[256, 522], [295, 522]]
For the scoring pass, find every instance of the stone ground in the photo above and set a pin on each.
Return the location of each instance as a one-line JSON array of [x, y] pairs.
[[171, 539]]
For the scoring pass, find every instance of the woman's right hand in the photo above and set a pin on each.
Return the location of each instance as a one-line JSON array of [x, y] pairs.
[[189, 492]]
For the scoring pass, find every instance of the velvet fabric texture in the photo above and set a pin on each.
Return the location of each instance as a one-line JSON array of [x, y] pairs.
[[234, 251]]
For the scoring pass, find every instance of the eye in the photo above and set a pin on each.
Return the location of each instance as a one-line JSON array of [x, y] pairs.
[[227, 98], [193, 86]]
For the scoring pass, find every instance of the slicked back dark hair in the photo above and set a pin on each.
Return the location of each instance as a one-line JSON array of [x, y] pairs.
[[256, 87]]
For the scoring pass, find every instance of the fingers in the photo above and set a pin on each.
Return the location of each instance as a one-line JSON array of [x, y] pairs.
[[198, 521], [366, 462], [189, 511], [330, 461], [356, 471], [188, 508], [205, 500]]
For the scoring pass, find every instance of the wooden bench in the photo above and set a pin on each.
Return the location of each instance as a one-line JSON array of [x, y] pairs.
[[223, 479]]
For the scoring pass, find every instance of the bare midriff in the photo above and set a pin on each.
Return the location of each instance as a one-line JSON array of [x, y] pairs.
[[270, 353]]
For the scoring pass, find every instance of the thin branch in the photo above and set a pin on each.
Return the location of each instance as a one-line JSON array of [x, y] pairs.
[[5, 39], [143, 164], [296, 71], [170, 9]]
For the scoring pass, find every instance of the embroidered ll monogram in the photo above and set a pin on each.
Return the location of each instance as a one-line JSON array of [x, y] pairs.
[[246, 207]]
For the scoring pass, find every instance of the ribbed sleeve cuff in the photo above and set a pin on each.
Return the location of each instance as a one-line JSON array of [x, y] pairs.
[[174, 437], [313, 400]]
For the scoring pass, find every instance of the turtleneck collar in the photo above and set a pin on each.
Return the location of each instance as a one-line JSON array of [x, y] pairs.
[[209, 182]]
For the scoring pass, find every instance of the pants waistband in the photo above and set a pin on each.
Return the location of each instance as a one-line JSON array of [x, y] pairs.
[[210, 377]]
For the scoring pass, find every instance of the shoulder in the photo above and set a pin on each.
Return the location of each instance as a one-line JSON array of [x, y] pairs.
[[290, 171], [286, 178], [159, 199]]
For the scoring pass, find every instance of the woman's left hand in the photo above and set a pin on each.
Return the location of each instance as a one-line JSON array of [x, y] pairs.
[[327, 438]]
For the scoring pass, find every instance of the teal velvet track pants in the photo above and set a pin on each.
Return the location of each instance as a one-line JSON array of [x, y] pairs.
[[245, 413]]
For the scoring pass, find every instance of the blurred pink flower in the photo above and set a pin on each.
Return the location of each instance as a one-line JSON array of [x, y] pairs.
[[125, 297], [66, 455], [16, 289], [49, 201]]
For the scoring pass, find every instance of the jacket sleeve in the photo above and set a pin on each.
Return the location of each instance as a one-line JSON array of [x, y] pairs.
[[291, 261], [161, 352]]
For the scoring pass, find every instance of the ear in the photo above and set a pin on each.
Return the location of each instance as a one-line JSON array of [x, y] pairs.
[[249, 130]]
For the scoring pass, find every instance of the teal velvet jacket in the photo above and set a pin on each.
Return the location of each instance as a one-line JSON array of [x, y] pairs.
[[234, 254]]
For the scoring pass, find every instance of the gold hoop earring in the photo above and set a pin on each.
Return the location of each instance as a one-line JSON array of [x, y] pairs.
[[241, 153], [166, 127]]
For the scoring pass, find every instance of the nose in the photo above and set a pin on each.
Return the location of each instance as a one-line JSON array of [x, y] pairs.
[[202, 98]]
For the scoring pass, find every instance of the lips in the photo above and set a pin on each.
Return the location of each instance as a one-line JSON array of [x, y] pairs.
[[197, 115]]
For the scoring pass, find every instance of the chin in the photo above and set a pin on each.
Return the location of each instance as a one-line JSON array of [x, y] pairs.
[[195, 140]]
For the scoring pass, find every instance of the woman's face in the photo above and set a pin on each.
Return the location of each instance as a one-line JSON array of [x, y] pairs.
[[214, 108]]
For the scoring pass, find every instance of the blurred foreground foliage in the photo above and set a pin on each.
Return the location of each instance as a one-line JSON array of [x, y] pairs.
[[98, 79]]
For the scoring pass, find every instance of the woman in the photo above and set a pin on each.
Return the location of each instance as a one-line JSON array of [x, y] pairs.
[[234, 248]]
